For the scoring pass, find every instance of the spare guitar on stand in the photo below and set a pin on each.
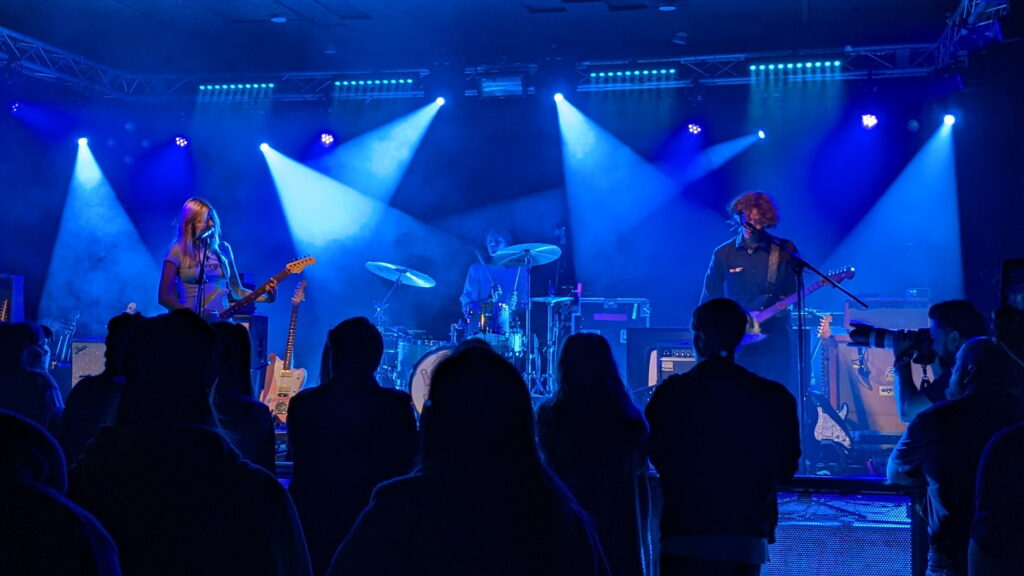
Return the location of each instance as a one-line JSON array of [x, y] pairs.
[[283, 381]]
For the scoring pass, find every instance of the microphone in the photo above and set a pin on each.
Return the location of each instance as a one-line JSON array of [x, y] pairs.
[[209, 232]]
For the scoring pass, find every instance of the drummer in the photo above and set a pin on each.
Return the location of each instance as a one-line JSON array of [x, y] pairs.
[[492, 289]]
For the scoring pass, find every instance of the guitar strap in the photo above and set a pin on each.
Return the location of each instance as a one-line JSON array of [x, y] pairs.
[[773, 266]]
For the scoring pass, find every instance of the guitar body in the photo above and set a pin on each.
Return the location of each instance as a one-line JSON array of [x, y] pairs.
[[279, 387]]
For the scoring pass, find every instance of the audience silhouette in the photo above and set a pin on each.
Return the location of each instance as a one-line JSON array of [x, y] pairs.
[[480, 501], [93, 401], [173, 492], [942, 447], [246, 422], [594, 438], [998, 529], [41, 531], [345, 437], [722, 439], [23, 390]]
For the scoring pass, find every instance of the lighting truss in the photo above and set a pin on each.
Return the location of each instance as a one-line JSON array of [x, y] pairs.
[[894, 61], [972, 17]]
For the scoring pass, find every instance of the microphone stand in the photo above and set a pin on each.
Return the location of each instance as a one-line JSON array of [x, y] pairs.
[[201, 287], [801, 366]]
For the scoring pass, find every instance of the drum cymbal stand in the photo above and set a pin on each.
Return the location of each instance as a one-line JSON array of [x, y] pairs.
[[536, 384]]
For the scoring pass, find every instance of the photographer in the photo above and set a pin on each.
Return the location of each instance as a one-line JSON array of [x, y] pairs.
[[950, 324]]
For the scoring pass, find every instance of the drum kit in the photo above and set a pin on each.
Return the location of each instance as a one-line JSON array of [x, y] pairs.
[[410, 355]]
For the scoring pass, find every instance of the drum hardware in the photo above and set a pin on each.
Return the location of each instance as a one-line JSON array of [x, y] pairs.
[[389, 371], [550, 349], [530, 255]]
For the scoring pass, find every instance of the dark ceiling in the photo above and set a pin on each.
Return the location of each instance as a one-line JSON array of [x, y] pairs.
[[237, 36]]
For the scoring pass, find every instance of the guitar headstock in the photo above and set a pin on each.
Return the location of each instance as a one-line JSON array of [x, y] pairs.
[[825, 327], [300, 264], [844, 273], [300, 293]]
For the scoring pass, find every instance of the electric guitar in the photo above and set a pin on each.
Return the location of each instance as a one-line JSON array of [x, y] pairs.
[[755, 319], [830, 425], [283, 382], [293, 267]]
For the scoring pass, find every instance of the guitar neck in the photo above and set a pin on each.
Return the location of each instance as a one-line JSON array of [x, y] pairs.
[[762, 315], [291, 337], [252, 296]]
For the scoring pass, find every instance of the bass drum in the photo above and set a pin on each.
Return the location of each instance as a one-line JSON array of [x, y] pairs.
[[409, 353], [419, 385]]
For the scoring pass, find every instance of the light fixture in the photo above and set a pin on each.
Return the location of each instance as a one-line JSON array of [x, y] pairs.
[[667, 5], [278, 18]]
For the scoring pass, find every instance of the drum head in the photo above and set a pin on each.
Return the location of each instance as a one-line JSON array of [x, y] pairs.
[[419, 383]]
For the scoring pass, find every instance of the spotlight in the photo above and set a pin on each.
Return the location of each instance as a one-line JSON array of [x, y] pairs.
[[264, 147], [181, 141], [326, 139], [15, 107], [949, 119], [559, 97], [761, 134], [439, 101], [83, 141], [868, 121], [694, 129]]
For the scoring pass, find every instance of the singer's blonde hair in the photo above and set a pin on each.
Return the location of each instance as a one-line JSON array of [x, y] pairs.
[[195, 212]]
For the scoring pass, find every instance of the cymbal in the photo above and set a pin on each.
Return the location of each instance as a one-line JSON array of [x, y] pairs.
[[551, 300], [517, 255], [401, 274]]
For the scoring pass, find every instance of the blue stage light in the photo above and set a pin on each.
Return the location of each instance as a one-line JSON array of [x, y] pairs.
[[761, 134], [559, 97], [15, 107], [439, 101], [264, 147], [180, 141], [326, 139], [868, 121], [949, 119], [694, 129], [83, 141]]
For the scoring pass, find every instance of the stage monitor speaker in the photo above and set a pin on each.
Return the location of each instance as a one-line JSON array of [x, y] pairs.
[[12, 298], [257, 327], [87, 358], [863, 379], [641, 343]]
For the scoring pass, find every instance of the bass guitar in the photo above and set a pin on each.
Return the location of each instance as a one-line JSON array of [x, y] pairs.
[[756, 318], [282, 381], [293, 267]]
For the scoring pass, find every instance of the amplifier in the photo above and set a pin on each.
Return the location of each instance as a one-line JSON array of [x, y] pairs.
[[665, 361], [12, 298], [257, 327], [87, 358]]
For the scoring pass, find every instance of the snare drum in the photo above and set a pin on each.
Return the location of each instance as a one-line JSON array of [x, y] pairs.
[[410, 351], [488, 318], [419, 386]]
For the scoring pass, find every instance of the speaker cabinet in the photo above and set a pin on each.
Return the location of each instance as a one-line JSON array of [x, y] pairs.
[[87, 359], [612, 318], [864, 380]]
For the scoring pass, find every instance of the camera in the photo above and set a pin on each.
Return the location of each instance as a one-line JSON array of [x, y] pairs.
[[899, 341]]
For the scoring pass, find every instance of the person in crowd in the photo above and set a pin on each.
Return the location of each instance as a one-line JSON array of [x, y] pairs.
[[480, 501], [345, 437], [244, 420], [41, 531], [93, 401], [997, 532], [171, 489], [594, 438], [31, 393], [183, 280], [722, 439], [942, 447], [757, 270], [951, 323]]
